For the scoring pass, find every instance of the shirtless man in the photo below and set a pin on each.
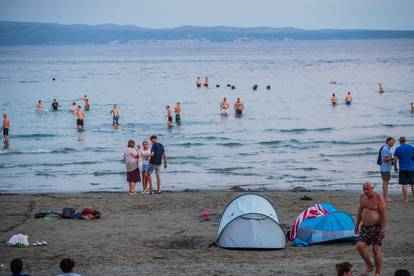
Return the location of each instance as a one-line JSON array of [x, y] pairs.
[[348, 98], [73, 108], [198, 82], [238, 107], [224, 105], [5, 128], [115, 116], [169, 116], [39, 105], [372, 213], [334, 100], [87, 105], [177, 111], [412, 107], [55, 105], [80, 116], [206, 82], [380, 88]]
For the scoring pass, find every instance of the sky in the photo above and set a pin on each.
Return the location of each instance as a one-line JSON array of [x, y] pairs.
[[306, 14]]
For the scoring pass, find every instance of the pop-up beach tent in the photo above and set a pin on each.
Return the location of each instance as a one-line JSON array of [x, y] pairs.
[[322, 223], [250, 221]]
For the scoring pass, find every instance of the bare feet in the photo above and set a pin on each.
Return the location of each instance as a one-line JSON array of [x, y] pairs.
[[369, 269], [388, 199]]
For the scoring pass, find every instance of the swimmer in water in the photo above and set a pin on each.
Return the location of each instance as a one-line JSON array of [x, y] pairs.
[[84, 98], [169, 115], [80, 116], [238, 107], [334, 100], [87, 105], [224, 105], [115, 116], [39, 105], [206, 82], [198, 82], [5, 128], [348, 98], [177, 111], [380, 88], [55, 105], [412, 107], [73, 108]]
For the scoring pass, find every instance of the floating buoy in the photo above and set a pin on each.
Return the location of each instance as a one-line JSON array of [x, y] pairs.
[[268, 87], [217, 85], [228, 85], [53, 79], [255, 87], [233, 87]]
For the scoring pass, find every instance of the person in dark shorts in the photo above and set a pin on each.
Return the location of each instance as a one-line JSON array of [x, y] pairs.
[[169, 115], [238, 108], [131, 158], [55, 105], [157, 156], [80, 116], [178, 110], [5, 128], [404, 157], [372, 214]]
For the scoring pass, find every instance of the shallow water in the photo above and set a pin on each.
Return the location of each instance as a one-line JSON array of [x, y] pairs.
[[289, 136]]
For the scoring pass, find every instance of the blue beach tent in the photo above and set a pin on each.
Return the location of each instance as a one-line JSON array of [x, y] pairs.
[[250, 221], [337, 225]]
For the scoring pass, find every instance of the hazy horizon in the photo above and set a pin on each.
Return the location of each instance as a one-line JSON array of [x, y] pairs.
[[303, 14]]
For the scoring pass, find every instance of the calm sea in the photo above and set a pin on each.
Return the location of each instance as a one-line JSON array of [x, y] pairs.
[[289, 135]]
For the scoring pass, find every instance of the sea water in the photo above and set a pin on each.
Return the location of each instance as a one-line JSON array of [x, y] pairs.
[[288, 136]]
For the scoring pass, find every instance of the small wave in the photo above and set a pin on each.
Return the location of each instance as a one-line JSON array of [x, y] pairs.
[[189, 144], [230, 144], [33, 135], [39, 151], [101, 173], [270, 143], [188, 157]]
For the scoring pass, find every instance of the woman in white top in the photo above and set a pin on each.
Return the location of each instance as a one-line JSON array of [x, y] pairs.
[[131, 157]]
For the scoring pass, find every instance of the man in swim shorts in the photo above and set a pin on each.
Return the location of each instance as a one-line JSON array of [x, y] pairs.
[[372, 214], [55, 105], [206, 82], [115, 116], [157, 156], [238, 107], [412, 107], [404, 157], [224, 105], [5, 128], [198, 82], [380, 88], [87, 105], [348, 98], [178, 110], [169, 116], [334, 100], [39, 105], [73, 108], [80, 116]]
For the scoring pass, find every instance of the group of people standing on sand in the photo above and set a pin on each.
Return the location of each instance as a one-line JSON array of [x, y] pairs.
[[238, 107], [177, 110], [141, 163]]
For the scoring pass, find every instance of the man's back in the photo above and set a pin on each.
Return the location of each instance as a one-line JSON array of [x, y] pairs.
[[158, 150], [405, 155]]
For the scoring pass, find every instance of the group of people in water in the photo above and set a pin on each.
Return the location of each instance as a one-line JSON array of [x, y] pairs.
[[238, 107], [348, 97], [177, 111], [198, 82]]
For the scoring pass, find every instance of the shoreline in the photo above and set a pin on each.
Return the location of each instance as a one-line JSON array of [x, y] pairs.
[[165, 234]]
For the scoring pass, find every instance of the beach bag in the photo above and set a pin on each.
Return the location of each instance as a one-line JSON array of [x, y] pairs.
[[68, 213], [379, 160]]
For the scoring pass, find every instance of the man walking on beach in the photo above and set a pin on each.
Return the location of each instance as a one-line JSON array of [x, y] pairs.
[[156, 157], [5, 128], [372, 213], [385, 161], [404, 157]]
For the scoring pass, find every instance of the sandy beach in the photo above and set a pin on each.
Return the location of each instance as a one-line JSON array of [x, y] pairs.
[[165, 235]]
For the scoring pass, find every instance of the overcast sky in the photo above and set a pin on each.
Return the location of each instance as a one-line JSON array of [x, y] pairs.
[[307, 14]]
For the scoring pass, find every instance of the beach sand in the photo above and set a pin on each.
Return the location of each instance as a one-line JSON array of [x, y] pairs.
[[165, 235]]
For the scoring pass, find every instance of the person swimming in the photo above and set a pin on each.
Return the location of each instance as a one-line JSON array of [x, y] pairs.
[[412, 107], [238, 107], [73, 108], [39, 105], [206, 82], [198, 82], [87, 105], [348, 98], [115, 116], [334, 100]]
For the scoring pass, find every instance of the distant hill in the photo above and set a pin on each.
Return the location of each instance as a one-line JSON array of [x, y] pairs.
[[26, 33]]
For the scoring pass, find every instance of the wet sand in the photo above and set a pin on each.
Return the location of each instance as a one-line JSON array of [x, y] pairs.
[[165, 235]]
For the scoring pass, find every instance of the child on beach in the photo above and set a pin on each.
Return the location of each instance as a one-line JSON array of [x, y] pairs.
[[145, 158]]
